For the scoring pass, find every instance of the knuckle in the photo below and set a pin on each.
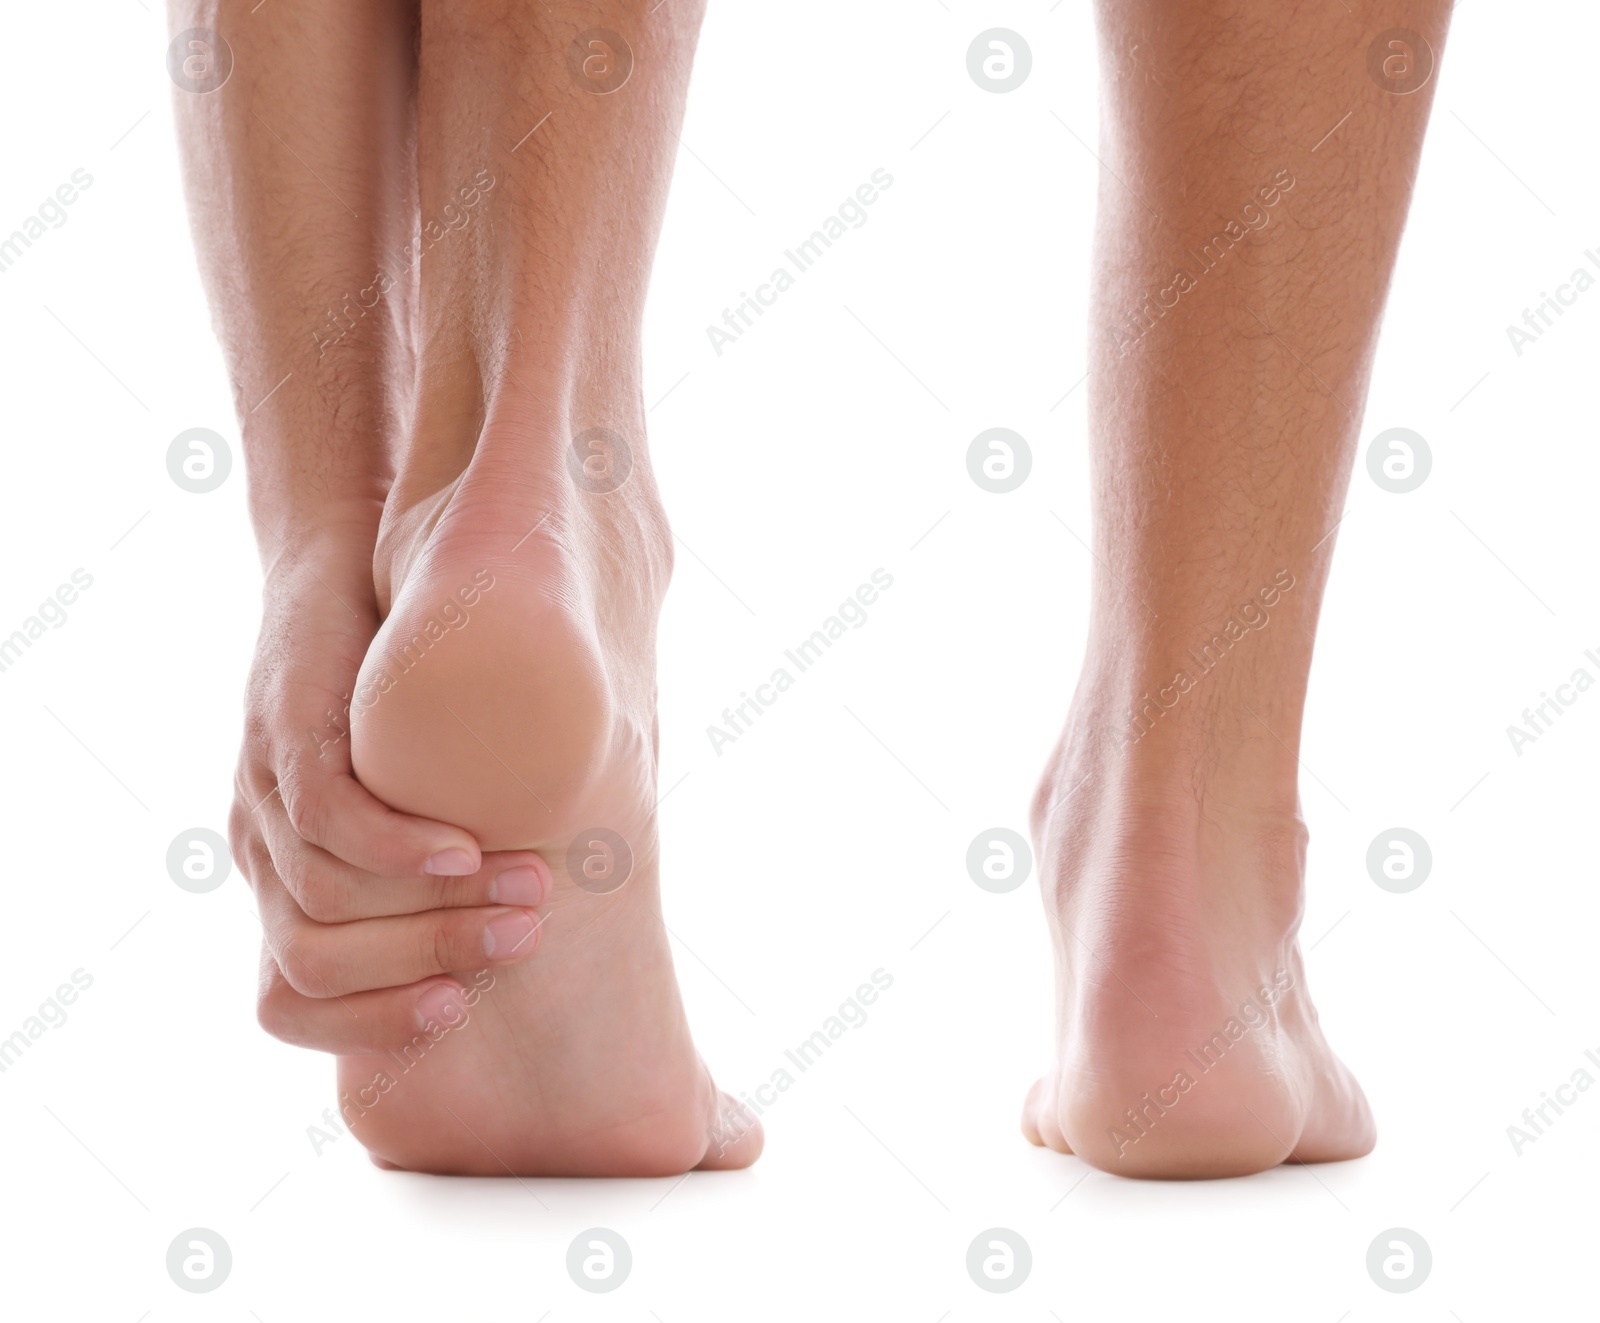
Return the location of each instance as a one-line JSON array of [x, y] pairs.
[[321, 896], [441, 946], [451, 893], [276, 1013], [307, 810], [247, 844], [311, 968], [295, 972], [251, 854], [238, 829]]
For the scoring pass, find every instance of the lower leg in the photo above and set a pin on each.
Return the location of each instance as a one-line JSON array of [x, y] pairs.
[[300, 181], [1242, 264], [512, 687]]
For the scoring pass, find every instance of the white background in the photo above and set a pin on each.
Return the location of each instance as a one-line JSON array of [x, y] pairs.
[[806, 855]]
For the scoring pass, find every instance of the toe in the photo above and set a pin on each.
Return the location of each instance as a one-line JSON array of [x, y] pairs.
[[1040, 1123], [1030, 1113], [1050, 1132], [1340, 1126], [735, 1138]]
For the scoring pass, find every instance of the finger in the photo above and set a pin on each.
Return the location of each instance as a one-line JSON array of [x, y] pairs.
[[330, 890], [364, 1021], [330, 808], [335, 959]]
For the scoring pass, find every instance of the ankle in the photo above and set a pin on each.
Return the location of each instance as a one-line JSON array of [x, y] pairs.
[[1156, 719], [1204, 793], [531, 434]]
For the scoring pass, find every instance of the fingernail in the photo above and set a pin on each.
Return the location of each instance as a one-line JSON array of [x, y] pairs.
[[518, 886], [509, 935], [450, 863], [441, 1005]]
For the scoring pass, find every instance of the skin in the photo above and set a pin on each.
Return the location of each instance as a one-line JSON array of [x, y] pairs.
[[420, 451], [1222, 440], [424, 451], [298, 188], [532, 722]]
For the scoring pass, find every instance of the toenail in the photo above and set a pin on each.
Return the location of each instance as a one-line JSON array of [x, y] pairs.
[[450, 863], [441, 1005], [509, 935], [518, 886]]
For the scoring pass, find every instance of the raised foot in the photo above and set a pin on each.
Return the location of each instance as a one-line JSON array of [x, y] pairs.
[[512, 691]]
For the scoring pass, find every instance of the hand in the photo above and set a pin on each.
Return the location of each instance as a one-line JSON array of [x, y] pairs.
[[363, 908]]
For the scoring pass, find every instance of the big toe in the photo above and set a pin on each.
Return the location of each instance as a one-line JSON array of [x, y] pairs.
[[1340, 1126], [736, 1137], [1040, 1124]]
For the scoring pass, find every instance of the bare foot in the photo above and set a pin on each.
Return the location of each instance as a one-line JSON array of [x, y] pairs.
[[512, 690], [1186, 1042]]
